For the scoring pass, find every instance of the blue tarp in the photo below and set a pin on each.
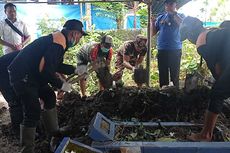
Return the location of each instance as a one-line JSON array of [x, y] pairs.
[[211, 24], [31, 13]]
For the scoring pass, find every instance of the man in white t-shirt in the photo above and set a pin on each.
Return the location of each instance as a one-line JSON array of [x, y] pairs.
[[9, 38]]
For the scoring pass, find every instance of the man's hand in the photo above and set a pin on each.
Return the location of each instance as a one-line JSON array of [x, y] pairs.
[[133, 69], [81, 69], [18, 46], [12, 47], [66, 87]]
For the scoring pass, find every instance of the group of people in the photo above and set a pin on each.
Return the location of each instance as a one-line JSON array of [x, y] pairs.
[[27, 74], [213, 45]]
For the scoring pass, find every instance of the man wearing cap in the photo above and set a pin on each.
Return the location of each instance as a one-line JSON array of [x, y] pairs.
[[225, 24], [168, 43], [91, 52], [31, 72], [130, 55], [9, 38], [214, 46]]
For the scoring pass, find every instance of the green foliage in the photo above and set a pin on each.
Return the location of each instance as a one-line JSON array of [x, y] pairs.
[[143, 13], [189, 62], [115, 11], [214, 11], [47, 26]]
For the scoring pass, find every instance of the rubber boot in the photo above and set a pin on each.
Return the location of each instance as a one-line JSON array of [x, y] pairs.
[[27, 138], [50, 121], [16, 116]]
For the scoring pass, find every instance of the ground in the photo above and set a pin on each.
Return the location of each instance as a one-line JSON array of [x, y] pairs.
[[127, 104]]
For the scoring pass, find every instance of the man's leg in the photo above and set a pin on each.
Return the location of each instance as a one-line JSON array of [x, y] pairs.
[[31, 108], [174, 65], [207, 131], [220, 92], [15, 108], [49, 115], [162, 59]]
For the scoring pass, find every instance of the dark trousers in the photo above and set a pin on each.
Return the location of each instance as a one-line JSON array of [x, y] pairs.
[[169, 62], [220, 91], [29, 94], [14, 102]]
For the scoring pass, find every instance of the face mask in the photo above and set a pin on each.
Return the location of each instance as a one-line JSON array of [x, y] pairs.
[[105, 50], [72, 42]]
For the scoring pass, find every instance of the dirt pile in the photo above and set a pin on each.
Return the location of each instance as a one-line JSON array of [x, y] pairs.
[[129, 103], [126, 104]]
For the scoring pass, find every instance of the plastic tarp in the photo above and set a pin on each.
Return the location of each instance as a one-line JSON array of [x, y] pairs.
[[32, 13]]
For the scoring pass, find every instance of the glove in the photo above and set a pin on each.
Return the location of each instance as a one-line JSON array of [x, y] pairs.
[[133, 69], [66, 87], [81, 69]]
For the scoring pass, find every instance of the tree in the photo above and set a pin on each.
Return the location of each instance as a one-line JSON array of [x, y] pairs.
[[114, 10], [214, 10], [143, 13]]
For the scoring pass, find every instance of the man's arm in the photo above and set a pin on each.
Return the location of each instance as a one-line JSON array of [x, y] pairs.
[[154, 30], [5, 43], [178, 18], [27, 35], [126, 63], [26, 41], [66, 69], [52, 59], [139, 60]]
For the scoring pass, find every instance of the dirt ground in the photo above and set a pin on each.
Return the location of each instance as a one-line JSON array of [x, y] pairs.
[[125, 104]]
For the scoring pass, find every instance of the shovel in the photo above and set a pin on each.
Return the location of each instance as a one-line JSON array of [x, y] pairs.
[[105, 77], [94, 66], [140, 75]]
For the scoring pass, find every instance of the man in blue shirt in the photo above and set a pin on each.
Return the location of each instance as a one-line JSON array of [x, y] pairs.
[[168, 43]]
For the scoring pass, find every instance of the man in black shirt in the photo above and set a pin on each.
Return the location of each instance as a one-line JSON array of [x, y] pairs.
[[214, 46], [15, 107], [31, 71]]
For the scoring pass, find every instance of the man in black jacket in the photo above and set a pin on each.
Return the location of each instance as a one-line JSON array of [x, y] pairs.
[[31, 71], [15, 107], [214, 46]]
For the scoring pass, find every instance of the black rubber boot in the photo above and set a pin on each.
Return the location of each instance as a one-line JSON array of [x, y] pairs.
[[27, 138], [50, 121]]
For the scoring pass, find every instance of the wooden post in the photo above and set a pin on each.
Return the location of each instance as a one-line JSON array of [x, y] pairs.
[[148, 60]]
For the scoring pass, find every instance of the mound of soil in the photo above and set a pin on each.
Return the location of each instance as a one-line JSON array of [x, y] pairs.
[[131, 103]]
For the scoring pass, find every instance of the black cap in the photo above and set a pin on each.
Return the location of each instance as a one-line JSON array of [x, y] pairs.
[[170, 1], [74, 25]]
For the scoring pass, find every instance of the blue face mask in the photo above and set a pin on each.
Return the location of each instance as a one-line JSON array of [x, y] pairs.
[[72, 42], [105, 50]]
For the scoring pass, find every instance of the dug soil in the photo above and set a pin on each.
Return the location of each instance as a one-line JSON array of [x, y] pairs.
[[126, 104]]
